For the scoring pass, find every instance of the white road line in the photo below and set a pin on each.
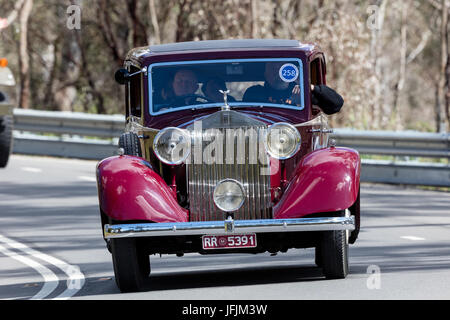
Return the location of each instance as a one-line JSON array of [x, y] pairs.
[[75, 280], [412, 238], [30, 169], [50, 279], [86, 178], [19, 298]]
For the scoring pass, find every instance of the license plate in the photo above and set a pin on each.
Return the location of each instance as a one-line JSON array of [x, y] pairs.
[[229, 241]]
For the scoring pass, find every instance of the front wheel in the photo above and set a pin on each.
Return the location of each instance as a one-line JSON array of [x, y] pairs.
[[131, 264], [334, 254]]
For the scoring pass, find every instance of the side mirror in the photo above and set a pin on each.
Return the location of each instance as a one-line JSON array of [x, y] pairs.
[[122, 76]]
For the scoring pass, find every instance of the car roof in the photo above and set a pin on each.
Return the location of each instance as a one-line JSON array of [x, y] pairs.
[[141, 55], [224, 44]]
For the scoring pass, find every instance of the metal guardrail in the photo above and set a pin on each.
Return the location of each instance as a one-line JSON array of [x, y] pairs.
[[402, 143], [72, 123], [86, 136]]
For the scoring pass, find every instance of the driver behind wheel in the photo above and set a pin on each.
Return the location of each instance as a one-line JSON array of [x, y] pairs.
[[185, 84]]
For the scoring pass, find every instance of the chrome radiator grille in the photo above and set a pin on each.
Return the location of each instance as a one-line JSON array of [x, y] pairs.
[[244, 167]]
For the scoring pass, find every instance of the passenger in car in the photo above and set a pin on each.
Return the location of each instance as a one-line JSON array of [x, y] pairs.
[[275, 90]]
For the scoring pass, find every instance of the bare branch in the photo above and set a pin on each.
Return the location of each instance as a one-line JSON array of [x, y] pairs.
[[13, 15], [437, 5], [417, 50]]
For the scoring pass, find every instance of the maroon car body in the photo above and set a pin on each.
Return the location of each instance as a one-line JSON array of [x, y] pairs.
[[152, 206]]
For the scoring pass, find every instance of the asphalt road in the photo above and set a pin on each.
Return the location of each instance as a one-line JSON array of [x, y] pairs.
[[51, 247]]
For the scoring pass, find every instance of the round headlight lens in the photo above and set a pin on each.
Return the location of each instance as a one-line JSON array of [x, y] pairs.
[[172, 145], [283, 140], [229, 195]]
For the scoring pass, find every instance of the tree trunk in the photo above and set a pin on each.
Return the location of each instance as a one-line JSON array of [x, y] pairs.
[[155, 24], [255, 19], [375, 49], [24, 58], [110, 38], [49, 99], [183, 31], [276, 19], [437, 114], [443, 87], [96, 93], [447, 89], [139, 32], [402, 70]]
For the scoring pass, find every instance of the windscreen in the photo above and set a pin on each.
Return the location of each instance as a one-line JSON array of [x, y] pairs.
[[249, 82]]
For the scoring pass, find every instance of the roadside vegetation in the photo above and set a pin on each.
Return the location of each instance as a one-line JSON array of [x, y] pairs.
[[388, 58]]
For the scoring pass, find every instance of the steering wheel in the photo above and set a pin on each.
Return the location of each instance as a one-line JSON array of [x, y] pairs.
[[182, 99]]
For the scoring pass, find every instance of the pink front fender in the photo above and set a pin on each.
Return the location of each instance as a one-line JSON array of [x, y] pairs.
[[129, 189], [325, 180]]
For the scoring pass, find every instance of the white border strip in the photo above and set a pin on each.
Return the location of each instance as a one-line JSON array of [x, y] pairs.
[[50, 279], [75, 279]]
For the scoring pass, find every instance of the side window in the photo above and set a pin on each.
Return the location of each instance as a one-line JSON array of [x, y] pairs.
[[316, 76], [316, 71], [135, 92]]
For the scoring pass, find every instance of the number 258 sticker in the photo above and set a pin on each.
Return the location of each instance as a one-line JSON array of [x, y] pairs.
[[288, 72]]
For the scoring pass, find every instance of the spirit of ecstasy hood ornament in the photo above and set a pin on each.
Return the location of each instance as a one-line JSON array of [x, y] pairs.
[[225, 99]]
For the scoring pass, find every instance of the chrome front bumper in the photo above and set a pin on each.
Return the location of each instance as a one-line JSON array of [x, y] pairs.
[[228, 226]]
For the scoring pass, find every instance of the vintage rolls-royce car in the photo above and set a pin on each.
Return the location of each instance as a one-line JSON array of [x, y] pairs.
[[225, 152], [6, 113]]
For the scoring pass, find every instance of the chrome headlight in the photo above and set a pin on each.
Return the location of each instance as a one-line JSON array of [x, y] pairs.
[[282, 140], [172, 145], [229, 195]]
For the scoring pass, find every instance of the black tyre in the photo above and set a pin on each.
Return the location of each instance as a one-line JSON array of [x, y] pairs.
[[131, 264], [334, 253], [318, 256], [130, 143], [6, 139], [355, 211]]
